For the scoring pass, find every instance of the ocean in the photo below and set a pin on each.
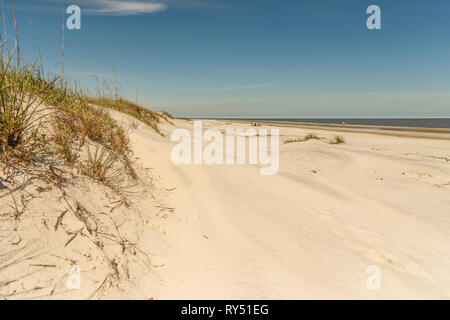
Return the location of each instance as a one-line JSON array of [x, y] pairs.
[[395, 122]]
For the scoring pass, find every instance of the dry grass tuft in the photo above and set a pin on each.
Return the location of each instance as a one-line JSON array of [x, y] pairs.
[[100, 165], [337, 140]]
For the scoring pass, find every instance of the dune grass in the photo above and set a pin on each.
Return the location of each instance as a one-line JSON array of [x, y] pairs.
[[43, 120], [21, 111], [309, 136], [150, 118], [337, 140]]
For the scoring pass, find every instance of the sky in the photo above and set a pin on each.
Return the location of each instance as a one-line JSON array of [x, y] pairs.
[[253, 58]]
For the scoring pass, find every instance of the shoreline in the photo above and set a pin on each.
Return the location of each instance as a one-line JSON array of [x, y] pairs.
[[411, 132], [415, 123]]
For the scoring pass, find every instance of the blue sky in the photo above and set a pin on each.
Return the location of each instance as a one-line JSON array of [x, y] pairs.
[[259, 58]]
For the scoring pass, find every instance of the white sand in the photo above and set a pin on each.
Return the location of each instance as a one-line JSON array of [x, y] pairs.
[[310, 231], [377, 200]]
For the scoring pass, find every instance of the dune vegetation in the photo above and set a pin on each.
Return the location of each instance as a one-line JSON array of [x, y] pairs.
[[309, 136], [45, 120], [312, 136], [150, 118]]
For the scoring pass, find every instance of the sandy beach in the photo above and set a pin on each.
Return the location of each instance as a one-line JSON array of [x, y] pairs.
[[312, 230], [228, 232]]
